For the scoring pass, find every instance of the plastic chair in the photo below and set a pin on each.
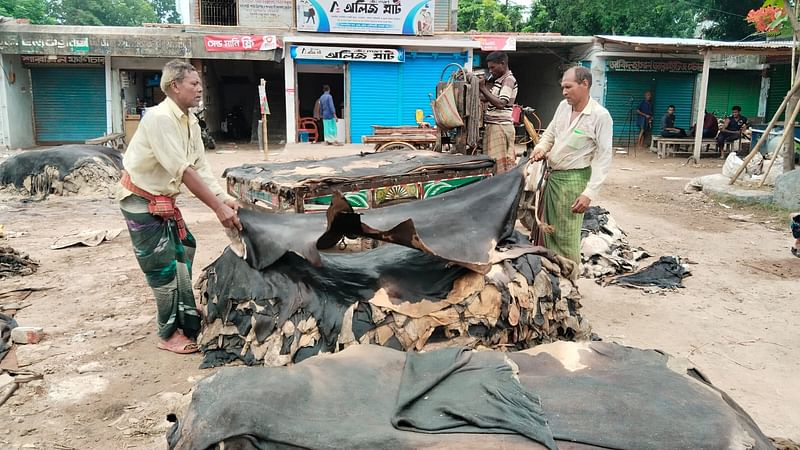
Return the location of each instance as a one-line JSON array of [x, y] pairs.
[[308, 125]]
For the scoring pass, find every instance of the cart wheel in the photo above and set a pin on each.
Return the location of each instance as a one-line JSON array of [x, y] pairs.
[[397, 145]]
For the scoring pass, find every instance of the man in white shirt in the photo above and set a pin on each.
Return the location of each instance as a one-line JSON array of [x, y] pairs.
[[577, 146]]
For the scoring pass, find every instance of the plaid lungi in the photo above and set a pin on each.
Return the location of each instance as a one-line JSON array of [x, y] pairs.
[[498, 143]]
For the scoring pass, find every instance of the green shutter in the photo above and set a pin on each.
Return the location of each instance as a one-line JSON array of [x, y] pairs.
[[727, 88], [779, 85], [674, 89], [624, 91], [69, 103]]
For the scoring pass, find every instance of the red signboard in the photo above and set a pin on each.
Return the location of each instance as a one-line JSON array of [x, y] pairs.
[[497, 43], [239, 43]]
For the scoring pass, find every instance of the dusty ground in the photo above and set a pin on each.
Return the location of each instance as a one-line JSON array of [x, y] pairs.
[[107, 386]]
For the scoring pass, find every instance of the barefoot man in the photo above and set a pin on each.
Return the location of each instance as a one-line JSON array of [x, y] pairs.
[[577, 145], [167, 151]]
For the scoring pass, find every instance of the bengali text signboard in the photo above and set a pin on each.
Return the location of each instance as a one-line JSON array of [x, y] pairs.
[[237, 43], [406, 17], [265, 13], [645, 65], [348, 53]]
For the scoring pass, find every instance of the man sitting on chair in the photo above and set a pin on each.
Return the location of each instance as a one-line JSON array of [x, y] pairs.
[[732, 129], [668, 129]]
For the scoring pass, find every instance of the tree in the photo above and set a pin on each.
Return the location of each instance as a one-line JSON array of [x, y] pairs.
[[166, 10], [728, 19], [489, 15], [665, 18], [104, 12], [34, 10]]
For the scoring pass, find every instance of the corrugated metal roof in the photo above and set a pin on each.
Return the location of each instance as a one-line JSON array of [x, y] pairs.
[[697, 43]]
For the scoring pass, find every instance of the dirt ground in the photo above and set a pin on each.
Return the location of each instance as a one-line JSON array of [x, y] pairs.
[[107, 386]]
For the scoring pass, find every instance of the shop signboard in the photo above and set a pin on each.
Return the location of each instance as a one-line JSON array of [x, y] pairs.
[[348, 53], [240, 43], [404, 17], [650, 65], [265, 13]]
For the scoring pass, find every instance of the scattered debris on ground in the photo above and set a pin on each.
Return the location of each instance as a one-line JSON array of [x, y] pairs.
[[14, 263], [665, 274], [89, 238]]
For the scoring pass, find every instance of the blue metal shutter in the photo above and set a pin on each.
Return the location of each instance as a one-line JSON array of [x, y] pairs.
[[69, 103], [390, 93], [374, 96], [727, 88], [779, 85], [674, 89], [624, 92]]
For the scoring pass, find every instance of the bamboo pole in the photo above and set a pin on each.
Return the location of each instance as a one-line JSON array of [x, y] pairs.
[[786, 132], [765, 136]]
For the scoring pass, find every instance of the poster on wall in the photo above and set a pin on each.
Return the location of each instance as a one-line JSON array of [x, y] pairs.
[[407, 17], [265, 13], [240, 43]]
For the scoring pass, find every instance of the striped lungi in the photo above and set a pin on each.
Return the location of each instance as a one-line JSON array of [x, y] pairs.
[[498, 144], [166, 261], [561, 190]]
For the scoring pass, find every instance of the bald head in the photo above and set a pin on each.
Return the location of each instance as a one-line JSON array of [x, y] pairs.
[[575, 86], [579, 74]]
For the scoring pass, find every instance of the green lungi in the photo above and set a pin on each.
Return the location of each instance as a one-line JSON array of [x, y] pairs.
[[330, 129], [167, 265], [563, 187]]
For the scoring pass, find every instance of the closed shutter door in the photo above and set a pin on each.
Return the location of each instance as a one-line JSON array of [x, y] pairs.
[[441, 16], [69, 103], [390, 93], [674, 89], [374, 96], [779, 85], [727, 88], [624, 91]]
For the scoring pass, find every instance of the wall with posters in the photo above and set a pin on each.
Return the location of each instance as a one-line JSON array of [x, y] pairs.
[[403, 17]]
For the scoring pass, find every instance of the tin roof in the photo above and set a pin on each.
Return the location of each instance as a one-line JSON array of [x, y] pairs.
[[677, 44]]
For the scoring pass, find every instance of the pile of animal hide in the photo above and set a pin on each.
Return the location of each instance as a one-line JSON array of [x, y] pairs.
[[64, 170], [272, 298], [14, 263], [605, 251], [665, 274]]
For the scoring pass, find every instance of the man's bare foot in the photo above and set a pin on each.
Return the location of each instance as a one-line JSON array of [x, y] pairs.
[[178, 343]]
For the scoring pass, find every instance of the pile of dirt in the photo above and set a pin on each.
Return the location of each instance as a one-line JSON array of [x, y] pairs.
[[14, 263], [63, 170]]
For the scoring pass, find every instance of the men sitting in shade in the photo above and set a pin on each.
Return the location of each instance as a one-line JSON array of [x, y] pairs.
[[668, 128], [710, 126], [732, 128]]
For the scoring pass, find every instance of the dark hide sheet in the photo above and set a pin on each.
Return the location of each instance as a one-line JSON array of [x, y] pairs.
[[666, 273], [593, 395], [440, 226], [65, 158], [327, 173]]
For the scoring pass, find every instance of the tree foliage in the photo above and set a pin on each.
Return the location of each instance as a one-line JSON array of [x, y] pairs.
[[35, 10], [490, 15], [728, 17], [166, 10], [665, 18]]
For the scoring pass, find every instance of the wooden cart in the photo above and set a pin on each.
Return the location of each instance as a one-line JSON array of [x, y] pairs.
[[387, 138]]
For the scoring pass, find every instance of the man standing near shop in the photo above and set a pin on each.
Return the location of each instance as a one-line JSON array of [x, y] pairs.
[[499, 90], [645, 118], [167, 152], [328, 110], [577, 147]]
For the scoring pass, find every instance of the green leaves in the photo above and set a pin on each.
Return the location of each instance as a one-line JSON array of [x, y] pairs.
[[92, 12], [35, 10]]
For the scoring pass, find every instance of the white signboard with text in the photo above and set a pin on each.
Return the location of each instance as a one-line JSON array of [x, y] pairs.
[[348, 53], [265, 13], [406, 17]]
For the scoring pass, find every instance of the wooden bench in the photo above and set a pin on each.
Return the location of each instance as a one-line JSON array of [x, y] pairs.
[[113, 140], [664, 145]]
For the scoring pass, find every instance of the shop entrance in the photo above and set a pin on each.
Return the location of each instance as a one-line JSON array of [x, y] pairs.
[[310, 80]]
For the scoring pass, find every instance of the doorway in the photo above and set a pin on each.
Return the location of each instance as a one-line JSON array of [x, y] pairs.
[[310, 80]]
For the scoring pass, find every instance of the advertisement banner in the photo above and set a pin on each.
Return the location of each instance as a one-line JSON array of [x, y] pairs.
[[237, 43], [265, 13], [348, 53], [406, 17], [497, 43]]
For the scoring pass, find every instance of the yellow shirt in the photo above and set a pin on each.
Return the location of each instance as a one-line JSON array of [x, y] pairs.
[[581, 143], [167, 142]]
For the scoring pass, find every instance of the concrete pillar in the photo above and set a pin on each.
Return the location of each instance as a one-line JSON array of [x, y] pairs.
[[109, 100], [291, 95]]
